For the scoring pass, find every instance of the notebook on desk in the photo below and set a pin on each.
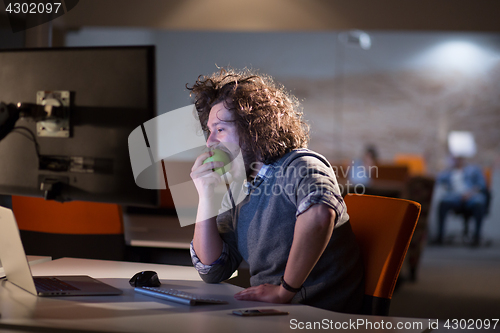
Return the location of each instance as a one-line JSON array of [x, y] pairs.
[[18, 272]]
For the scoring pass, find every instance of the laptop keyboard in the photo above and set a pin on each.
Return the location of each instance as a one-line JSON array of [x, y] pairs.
[[178, 296], [52, 284]]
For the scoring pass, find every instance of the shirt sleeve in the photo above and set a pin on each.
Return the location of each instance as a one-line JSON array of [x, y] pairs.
[[230, 258], [325, 197], [314, 183], [205, 269], [479, 180]]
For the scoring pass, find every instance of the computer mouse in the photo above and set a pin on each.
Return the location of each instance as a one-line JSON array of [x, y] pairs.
[[145, 279]]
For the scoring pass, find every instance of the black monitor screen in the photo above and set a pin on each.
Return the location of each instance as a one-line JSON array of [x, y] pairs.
[[102, 94]]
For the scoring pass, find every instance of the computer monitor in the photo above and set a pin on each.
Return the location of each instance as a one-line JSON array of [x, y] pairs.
[[104, 93]]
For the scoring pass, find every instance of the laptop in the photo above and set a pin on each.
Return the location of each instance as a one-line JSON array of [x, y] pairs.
[[18, 272]]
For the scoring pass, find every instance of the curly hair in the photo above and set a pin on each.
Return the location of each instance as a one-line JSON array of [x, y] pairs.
[[269, 120]]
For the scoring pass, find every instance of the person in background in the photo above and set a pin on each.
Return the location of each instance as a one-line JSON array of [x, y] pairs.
[[465, 190], [362, 169], [292, 226]]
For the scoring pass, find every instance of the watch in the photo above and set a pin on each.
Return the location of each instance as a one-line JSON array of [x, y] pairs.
[[289, 288]]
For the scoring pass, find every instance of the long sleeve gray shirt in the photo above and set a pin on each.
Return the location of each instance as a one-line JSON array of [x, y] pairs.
[[260, 230]]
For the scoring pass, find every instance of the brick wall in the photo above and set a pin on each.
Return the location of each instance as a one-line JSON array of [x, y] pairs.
[[402, 112]]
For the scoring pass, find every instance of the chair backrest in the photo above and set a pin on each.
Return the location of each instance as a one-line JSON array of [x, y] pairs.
[[76, 217], [415, 163], [383, 228], [72, 229], [390, 172]]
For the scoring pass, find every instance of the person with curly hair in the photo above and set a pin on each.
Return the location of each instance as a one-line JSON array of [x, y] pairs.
[[292, 226]]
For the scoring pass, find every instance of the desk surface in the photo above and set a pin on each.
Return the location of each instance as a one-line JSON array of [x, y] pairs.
[[112, 269], [132, 312]]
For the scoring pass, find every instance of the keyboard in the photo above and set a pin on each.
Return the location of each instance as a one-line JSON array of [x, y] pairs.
[[52, 284], [177, 296]]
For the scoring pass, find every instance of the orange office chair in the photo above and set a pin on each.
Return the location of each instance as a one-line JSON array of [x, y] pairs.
[[383, 228], [415, 163], [73, 229]]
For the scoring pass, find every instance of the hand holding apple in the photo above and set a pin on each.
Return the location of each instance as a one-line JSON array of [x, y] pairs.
[[219, 156]]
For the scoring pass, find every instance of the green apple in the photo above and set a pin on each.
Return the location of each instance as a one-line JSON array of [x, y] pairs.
[[219, 156]]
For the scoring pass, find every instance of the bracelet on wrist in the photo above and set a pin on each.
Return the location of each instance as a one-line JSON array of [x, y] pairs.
[[288, 287]]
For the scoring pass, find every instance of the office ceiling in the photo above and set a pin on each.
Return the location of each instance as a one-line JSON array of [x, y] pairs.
[[287, 15]]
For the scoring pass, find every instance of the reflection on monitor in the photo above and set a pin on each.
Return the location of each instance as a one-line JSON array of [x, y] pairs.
[[461, 144], [78, 107]]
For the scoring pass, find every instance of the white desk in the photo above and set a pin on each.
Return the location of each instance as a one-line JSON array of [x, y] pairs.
[[156, 231], [132, 312]]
